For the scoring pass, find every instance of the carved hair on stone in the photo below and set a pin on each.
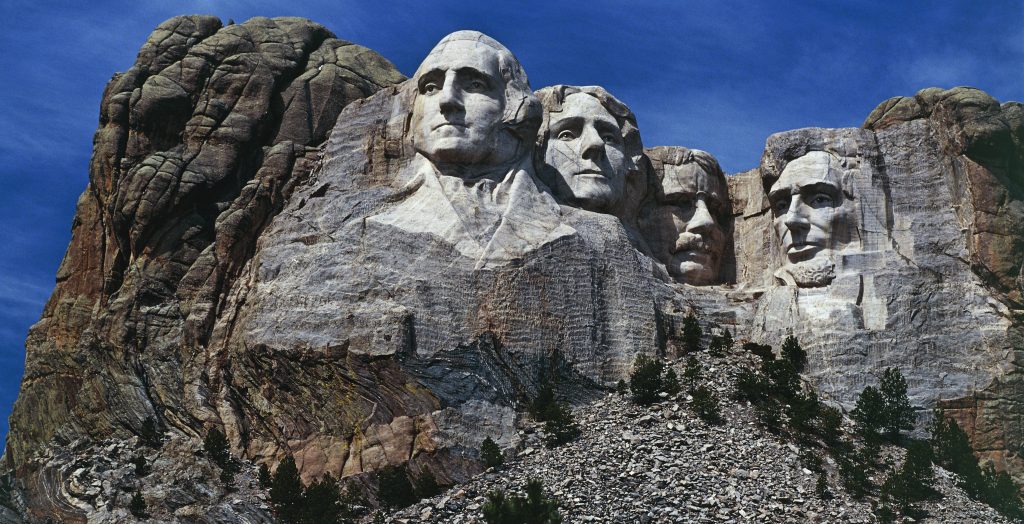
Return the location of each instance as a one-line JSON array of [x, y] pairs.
[[826, 189], [520, 112], [685, 220], [583, 163]]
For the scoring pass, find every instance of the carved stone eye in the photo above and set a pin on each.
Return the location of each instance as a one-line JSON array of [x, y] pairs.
[[821, 200], [430, 87], [566, 135], [781, 206], [477, 85]]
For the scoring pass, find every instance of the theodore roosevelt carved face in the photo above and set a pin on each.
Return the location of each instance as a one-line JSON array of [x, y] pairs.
[[686, 228]]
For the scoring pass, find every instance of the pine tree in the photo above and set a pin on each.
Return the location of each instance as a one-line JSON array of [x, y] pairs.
[[912, 482], [394, 488], [692, 373], [705, 405], [561, 426], [727, 341], [542, 403], [286, 492], [321, 502], [716, 348], [141, 467], [897, 413], [216, 447], [868, 413], [670, 382], [645, 379], [490, 453], [264, 477], [795, 354], [691, 333], [150, 434], [138, 506]]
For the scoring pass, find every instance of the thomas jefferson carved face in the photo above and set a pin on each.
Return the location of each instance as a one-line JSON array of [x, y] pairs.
[[808, 205], [460, 105], [685, 230], [586, 149]]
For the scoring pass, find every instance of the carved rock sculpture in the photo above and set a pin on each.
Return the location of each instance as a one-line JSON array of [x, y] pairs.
[[395, 294], [686, 221], [590, 147]]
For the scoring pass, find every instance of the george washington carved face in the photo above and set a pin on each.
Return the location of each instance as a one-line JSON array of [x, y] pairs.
[[473, 103]]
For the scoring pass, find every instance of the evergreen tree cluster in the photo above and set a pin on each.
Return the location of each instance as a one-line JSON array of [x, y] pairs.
[[534, 508], [952, 450], [559, 424], [720, 344], [886, 409], [322, 502], [912, 482], [778, 397], [216, 447], [650, 376]]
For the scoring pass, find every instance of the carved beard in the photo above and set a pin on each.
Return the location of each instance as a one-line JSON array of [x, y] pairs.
[[816, 272]]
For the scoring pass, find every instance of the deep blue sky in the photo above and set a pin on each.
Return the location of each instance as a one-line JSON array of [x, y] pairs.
[[714, 75]]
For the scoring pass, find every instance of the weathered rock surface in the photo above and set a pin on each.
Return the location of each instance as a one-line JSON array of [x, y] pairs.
[[200, 143], [265, 248], [664, 464], [928, 282]]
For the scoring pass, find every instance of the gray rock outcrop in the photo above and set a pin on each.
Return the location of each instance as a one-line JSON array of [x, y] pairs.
[[286, 240]]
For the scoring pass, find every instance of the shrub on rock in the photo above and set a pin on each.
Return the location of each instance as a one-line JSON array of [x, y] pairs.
[[692, 333], [490, 454], [645, 379], [534, 508]]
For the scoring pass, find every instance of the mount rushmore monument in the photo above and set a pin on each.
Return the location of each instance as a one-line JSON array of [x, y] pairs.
[[285, 239]]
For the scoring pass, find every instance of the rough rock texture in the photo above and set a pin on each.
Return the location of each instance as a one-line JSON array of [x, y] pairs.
[[199, 145], [229, 269], [982, 155], [662, 464], [930, 281]]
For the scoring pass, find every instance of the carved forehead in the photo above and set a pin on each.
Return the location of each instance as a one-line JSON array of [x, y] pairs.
[[583, 105], [689, 179], [461, 54], [816, 167]]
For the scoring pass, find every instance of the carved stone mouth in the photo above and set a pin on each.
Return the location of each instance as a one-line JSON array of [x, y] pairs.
[[449, 124], [802, 248]]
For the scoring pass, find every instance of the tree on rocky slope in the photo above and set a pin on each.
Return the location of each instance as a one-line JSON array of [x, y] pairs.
[[534, 508], [897, 413]]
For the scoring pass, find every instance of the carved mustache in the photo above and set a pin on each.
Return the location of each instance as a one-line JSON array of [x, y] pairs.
[[690, 242]]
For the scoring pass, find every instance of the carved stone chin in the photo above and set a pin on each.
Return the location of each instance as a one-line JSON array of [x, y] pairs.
[[816, 272]]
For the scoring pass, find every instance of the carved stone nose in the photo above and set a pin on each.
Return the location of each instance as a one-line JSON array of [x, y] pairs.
[[701, 219]]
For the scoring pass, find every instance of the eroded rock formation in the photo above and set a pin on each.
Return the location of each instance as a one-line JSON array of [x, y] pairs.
[[286, 240]]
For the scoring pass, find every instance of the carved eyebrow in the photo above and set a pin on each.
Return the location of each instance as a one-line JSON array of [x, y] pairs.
[[569, 121], [607, 126], [818, 187], [475, 74], [821, 187], [429, 76]]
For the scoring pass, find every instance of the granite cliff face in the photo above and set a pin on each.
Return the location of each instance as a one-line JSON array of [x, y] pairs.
[[286, 240]]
